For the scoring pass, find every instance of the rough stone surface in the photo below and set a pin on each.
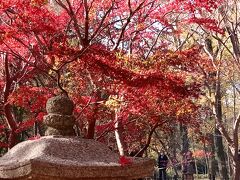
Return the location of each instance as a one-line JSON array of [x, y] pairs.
[[64, 132], [60, 105], [59, 120], [57, 157]]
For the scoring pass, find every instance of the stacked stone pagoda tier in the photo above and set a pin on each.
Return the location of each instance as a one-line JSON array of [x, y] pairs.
[[59, 120], [60, 155]]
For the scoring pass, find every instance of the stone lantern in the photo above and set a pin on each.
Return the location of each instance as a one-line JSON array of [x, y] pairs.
[[59, 155]]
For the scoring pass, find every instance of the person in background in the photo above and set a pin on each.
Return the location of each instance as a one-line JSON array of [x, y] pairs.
[[162, 162], [188, 166], [239, 154]]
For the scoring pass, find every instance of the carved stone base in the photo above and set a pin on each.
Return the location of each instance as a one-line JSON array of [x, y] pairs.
[[59, 158]]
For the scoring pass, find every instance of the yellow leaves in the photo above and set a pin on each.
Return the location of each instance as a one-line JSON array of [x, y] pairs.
[[189, 80], [208, 126], [92, 14], [183, 111], [191, 132], [113, 103], [206, 100], [140, 26], [39, 2], [120, 55]]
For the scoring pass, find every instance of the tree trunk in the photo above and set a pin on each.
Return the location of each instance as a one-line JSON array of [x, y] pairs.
[[236, 169], [222, 162], [12, 139], [92, 124], [221, 155], [122, 147], [184, 138], [213, 164], [173, 146], [230, 168], [12, 125]]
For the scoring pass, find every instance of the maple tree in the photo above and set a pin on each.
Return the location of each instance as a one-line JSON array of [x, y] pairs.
[[141, 96], [23, 58]]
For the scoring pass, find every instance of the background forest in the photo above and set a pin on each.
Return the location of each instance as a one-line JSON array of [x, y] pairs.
[[144, 75]]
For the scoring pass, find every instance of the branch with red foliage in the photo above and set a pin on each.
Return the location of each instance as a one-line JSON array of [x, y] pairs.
[[148, 141]]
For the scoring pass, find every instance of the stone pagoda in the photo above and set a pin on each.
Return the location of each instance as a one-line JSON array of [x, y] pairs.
[[60, 155]]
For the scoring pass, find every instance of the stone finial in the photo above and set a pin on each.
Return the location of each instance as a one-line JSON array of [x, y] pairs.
[[59, 120]]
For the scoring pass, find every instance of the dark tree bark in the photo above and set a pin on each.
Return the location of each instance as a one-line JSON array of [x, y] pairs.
[[184, 138], [222, 161]]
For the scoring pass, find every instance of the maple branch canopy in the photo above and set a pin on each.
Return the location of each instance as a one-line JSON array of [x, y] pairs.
[[110, 46]]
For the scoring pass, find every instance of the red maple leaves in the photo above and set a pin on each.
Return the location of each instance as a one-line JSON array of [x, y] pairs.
[[124, 161], [98, 50]]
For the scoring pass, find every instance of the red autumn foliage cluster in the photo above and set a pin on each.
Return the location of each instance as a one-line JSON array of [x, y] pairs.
[[104, 56]]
